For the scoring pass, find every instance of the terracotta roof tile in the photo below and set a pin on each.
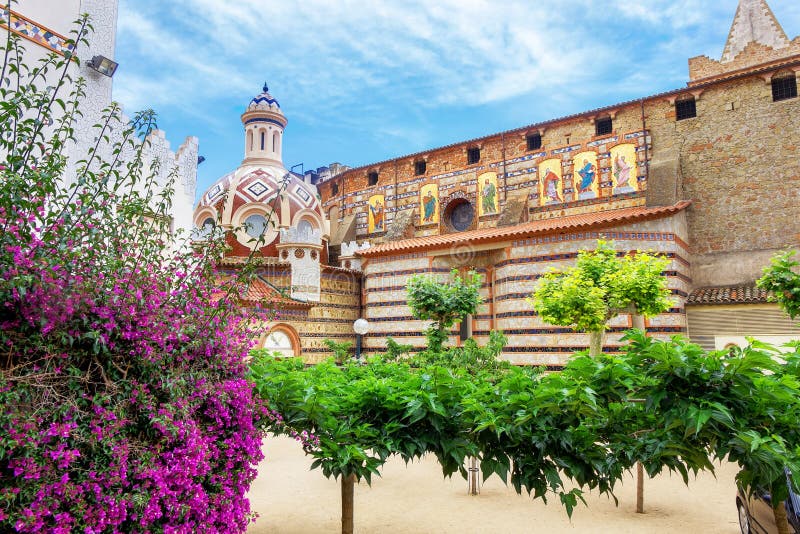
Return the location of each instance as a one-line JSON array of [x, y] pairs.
[[562, 224], [259, 290], [739, 294]]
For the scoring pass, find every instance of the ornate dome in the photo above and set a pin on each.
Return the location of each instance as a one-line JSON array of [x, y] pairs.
[[263, 200], [264, 101]]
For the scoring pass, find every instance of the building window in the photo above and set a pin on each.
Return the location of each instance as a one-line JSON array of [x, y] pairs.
[[685, 109], [205, 230], [461, 215], [372, 178], [279, 341], [255, 225], [420, 167], [263, 137], [784, 87], [473, 155], [534, 141], [603, 126], [334, 189]]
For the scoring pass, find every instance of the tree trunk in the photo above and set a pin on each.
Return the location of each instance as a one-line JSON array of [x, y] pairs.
[[781, 521], [348, 482], [596, 343], [472, 475], [639, 488], [637, 321]]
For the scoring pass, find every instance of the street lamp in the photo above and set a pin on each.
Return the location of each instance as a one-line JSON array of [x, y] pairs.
[[360, 327]]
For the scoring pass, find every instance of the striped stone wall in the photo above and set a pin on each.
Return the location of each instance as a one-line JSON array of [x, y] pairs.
[[510, 273]]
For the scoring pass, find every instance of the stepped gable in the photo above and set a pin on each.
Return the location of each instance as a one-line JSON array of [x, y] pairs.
[[753, 23], [755, 38]]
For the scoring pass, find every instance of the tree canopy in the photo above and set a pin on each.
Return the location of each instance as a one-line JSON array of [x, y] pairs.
[[563, 432], [599, 286], [781, 277], [444, 303]]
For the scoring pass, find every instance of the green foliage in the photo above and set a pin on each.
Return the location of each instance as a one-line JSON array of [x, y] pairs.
[[782, 279], [443, 303], [342, 352], [396, 351], [600, 286], [470, 356], [666, 404]]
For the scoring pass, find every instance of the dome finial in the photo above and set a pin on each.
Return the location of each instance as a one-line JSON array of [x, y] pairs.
[[265, 87]]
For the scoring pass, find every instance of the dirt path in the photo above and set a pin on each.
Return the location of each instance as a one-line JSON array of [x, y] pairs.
[[290, 499]]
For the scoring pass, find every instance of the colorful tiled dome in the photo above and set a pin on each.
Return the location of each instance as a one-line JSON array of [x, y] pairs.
[[263, 100]]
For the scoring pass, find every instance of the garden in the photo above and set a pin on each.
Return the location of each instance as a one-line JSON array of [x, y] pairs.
[[131, 401]]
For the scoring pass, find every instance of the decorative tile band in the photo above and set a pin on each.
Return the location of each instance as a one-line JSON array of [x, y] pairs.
[[36, 33]]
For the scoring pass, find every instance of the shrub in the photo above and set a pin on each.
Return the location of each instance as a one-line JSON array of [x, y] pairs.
[[123, 400]]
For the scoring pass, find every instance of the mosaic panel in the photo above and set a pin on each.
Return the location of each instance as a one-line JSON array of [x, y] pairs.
[[34, 32]]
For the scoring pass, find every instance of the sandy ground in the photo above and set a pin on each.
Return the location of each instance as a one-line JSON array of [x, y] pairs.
[[416, 499]]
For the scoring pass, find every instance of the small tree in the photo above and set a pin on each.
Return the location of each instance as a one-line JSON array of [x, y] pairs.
[[443, 303], [599, 287], [782, 279]]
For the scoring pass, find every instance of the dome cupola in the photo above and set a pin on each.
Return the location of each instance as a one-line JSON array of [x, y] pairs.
[[263, 123]]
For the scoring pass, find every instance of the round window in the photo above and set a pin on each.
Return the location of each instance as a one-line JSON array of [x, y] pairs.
[[461, 216], [255, 225]]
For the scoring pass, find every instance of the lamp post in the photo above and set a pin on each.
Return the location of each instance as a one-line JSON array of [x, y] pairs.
[[360, 327]]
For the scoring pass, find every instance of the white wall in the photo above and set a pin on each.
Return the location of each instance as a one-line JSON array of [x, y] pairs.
[[58, 16]]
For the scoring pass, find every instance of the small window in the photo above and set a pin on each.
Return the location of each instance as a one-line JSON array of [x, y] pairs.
[[262, 140], [420, 167], [473, 155], [685, 109], [603, 126], [372, 178], [334, 189], [784, 88], [534, 141]]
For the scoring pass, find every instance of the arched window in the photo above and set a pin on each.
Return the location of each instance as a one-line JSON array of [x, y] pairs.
[[280, 341], [304, 229], [204, 231], [250, 139], [275, 142], [263, 137]]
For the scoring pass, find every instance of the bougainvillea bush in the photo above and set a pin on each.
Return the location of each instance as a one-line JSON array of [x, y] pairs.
[[123, 400]]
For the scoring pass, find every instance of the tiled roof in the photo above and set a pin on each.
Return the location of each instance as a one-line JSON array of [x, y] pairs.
[[259, 291], [586, 221], [740, 294]]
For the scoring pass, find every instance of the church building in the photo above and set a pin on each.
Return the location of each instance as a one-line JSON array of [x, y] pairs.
[[707, 174]]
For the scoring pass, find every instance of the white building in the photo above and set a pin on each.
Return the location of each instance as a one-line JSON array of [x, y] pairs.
[[45, 25]]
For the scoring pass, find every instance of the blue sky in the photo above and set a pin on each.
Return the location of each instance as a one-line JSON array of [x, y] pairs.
[[362, 82]]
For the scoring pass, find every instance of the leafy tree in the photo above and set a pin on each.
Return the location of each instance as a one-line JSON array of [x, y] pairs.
[[443, 303], [342, 351], [580, 427], [782, 279], [124, 405], [600, 286]]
